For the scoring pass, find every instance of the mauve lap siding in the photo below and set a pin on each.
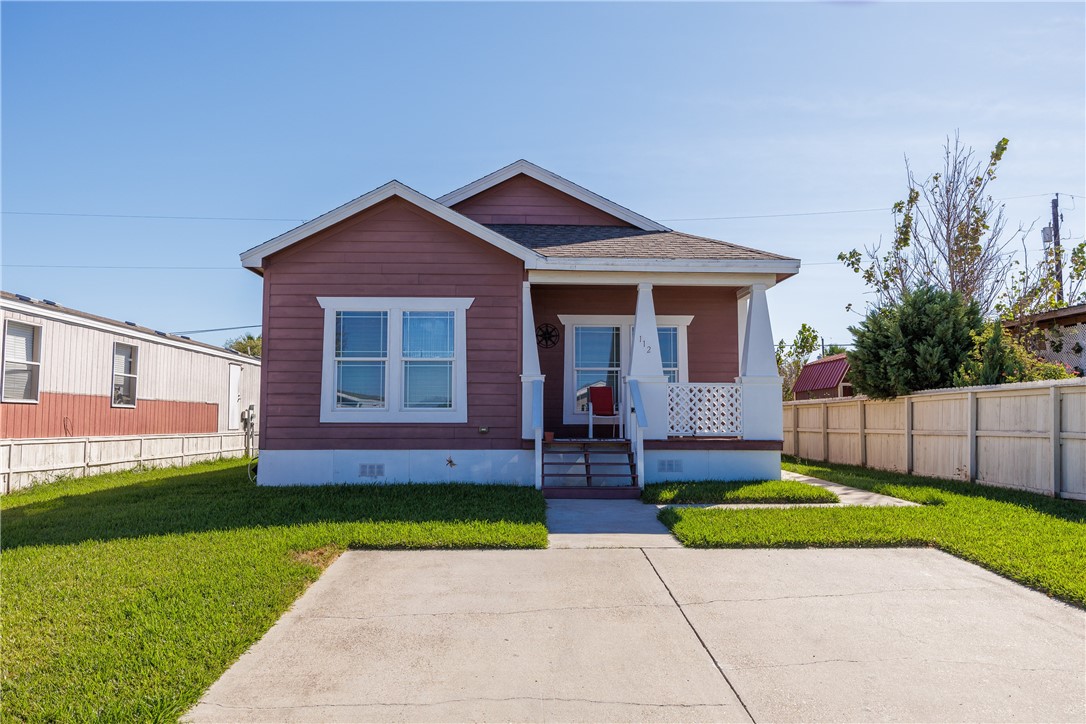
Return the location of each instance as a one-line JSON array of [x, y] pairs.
[[523, 200], [392, 250]]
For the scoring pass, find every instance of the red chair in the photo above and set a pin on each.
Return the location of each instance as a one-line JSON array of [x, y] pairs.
[[601, 403]]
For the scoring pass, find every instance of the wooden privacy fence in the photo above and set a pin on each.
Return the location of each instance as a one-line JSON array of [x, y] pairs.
[[1028, 435]]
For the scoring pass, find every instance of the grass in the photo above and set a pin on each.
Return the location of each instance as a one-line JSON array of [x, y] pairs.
[[126, 595], [754, 491], [1032, 539]]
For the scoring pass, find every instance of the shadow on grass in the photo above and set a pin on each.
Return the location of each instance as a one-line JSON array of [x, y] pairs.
[[181, 501], [926, 490]]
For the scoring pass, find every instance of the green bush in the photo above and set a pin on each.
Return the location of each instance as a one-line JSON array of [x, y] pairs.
[[919, 343]]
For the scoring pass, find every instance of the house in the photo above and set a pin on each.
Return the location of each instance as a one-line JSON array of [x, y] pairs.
[[85, 394], [1064, 335], [825, 377], [416, 339]]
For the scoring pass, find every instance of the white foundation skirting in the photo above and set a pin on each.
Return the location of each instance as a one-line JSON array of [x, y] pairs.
[[319, 467], [515, 467], [663, 466]]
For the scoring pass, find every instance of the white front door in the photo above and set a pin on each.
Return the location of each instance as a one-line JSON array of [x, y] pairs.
[[233, 406]]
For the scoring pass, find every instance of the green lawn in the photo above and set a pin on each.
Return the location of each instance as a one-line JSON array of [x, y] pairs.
[[753, 491], [1029, 538], [126, 595]]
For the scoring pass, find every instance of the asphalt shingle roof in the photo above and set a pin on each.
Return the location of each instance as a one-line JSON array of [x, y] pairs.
[[623, 242]]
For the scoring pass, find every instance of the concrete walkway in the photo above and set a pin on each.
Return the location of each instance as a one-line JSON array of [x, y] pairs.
[[632, 524], [660, 635]]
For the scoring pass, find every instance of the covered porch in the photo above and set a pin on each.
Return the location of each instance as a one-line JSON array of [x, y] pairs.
[[689, 362]]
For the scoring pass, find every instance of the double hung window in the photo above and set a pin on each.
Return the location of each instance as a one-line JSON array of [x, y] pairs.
[[394, 360], [22, 362], [125, 361]]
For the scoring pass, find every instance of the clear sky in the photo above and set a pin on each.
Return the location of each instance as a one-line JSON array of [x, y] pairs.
[[678, 111]]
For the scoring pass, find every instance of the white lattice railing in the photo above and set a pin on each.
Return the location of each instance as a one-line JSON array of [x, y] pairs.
[[704, 409]]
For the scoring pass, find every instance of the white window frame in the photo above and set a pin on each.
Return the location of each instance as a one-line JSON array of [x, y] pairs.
[[135, 376], [394, 411], [38, 332], [625, 323]]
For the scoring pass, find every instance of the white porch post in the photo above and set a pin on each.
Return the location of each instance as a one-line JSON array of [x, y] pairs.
[[529, 363], [762, 412], [647, 366]]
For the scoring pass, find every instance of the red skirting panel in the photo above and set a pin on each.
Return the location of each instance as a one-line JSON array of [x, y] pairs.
[[66, 415]]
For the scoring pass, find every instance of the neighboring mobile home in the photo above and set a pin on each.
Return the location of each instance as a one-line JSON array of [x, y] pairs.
[[414, 339], [85, 394]]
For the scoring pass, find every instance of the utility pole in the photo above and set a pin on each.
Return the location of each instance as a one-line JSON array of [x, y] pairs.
[[1056, 246]]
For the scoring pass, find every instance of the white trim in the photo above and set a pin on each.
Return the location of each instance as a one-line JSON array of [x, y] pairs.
[[254, 258], [393, 412], [135, 375], [658, 278], [625, 324], [121, 329], [556, 182], [39, 347]]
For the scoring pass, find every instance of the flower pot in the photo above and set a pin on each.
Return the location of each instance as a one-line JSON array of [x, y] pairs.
[[548, 437]]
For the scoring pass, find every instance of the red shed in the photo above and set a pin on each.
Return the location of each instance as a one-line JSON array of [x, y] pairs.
[[823, 378]]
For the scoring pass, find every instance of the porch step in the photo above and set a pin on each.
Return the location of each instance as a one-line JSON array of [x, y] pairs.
[[602, 465], [610, 492]]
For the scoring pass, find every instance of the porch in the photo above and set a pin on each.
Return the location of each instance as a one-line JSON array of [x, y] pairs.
[[690, 369]]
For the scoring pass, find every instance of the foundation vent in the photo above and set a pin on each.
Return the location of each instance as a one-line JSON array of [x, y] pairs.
[[371, 470], [669, 465]]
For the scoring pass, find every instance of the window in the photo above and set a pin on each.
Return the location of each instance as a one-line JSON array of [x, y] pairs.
[[124, 374], [394, 359], [22, 362], [361, 359], [669, 351], [428, 360], [596, 362]]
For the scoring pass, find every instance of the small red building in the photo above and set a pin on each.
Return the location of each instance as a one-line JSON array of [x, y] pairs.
[[416, 339], [826, 377]]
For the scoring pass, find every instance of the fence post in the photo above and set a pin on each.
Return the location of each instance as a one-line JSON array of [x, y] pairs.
[[825, 432], [795, 429], [908, 435], [1056, 433], [862, 434], [971, 438]]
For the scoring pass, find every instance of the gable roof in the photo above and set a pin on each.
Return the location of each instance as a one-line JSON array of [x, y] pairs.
[[649, 247], [822, 374], [619, 242], [556, 182], [254, 258]]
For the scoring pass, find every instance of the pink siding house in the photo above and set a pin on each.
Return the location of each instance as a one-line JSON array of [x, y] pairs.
[[463, 339]]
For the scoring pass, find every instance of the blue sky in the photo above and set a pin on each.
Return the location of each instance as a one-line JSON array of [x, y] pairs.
[[680, 111]]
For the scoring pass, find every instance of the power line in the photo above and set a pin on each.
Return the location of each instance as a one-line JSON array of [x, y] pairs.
[[150, 216], [217, 329], [96, 266], [262, 218]]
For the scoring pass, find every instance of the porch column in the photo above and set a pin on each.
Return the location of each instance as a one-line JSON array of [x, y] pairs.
[[762, 412], [647, 366], [743, 300], [529, 362]]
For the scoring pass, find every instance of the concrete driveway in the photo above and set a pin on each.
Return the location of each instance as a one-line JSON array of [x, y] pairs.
[[661, 634]]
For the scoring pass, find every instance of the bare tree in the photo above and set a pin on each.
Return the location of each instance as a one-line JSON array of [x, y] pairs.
[[948, 233]]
